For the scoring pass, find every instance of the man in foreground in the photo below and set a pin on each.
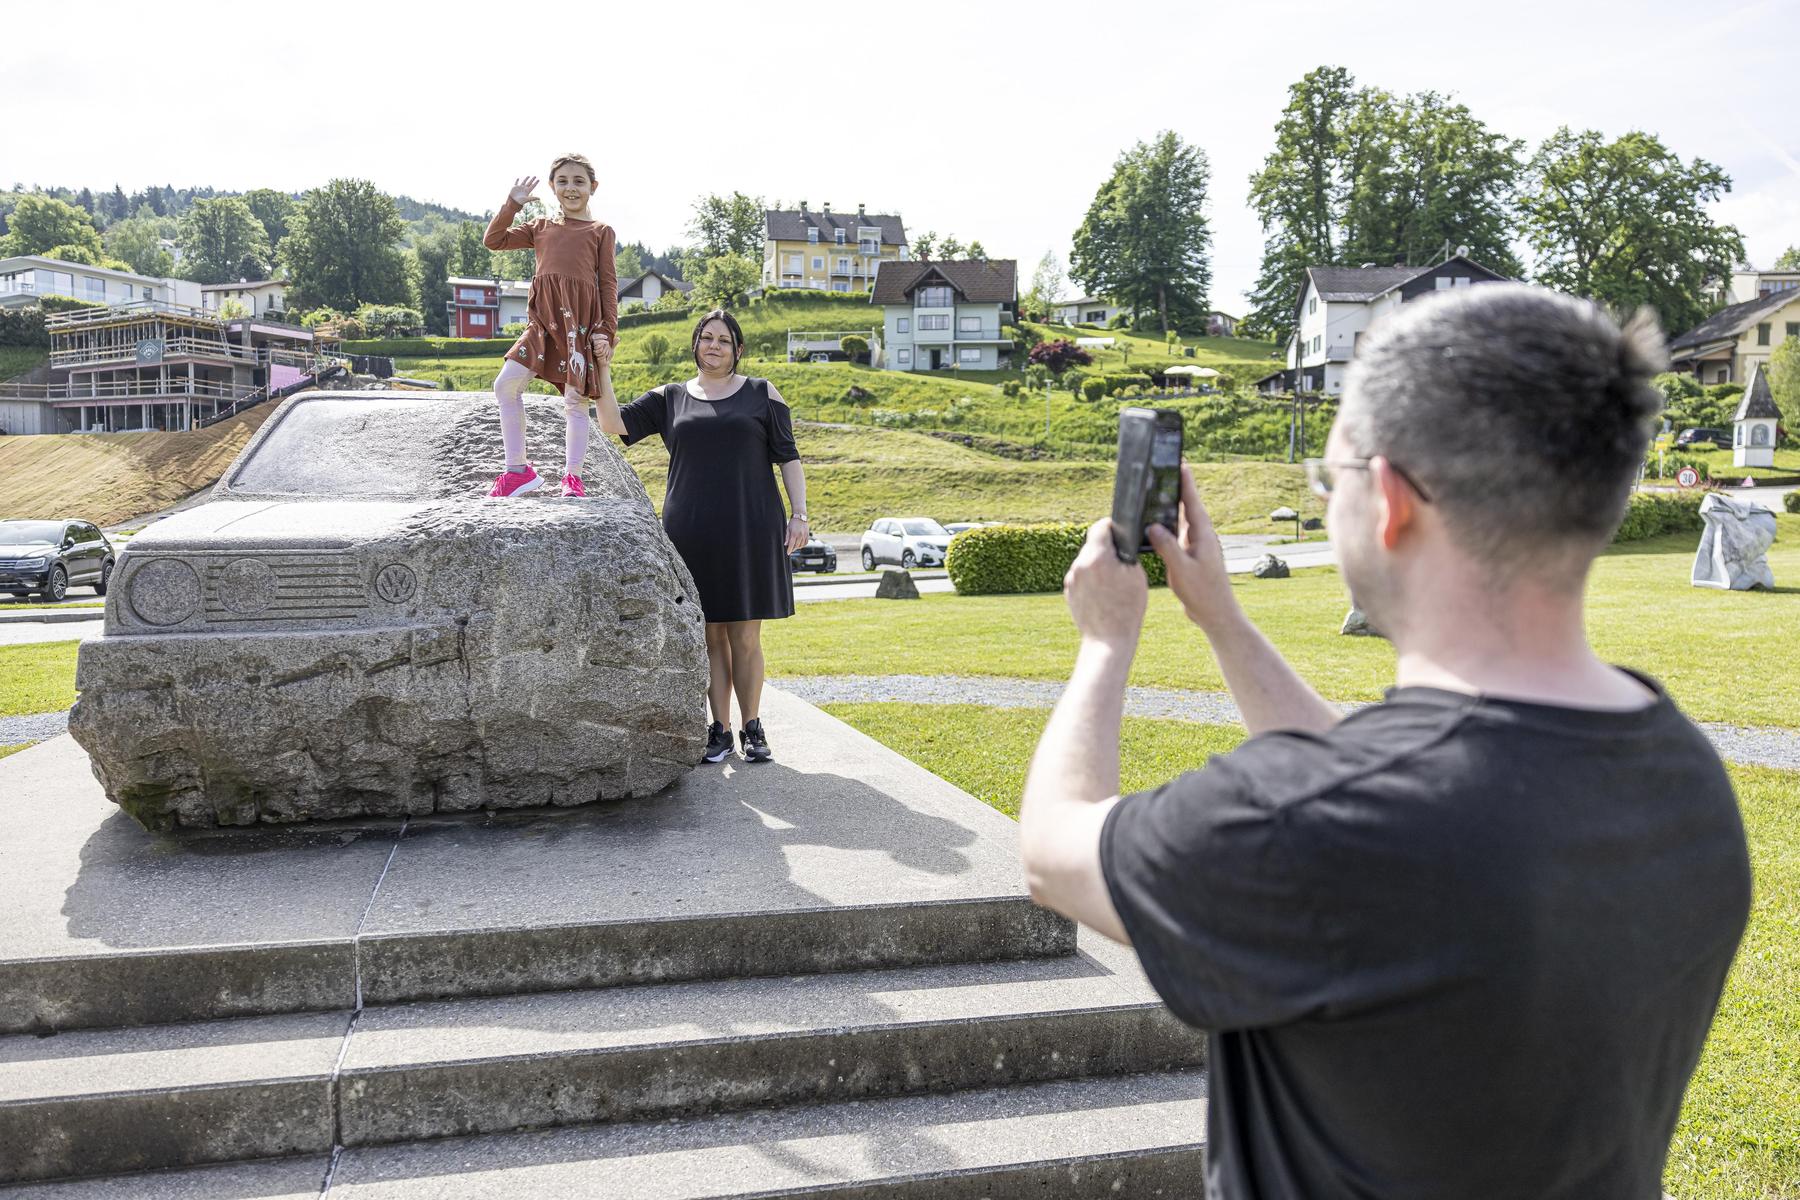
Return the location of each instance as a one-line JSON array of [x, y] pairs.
[[1466, 942]]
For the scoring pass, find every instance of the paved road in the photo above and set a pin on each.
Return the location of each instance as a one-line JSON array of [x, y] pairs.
[[19, 633]]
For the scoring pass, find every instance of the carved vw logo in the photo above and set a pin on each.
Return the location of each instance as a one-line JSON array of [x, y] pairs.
[[395, 583]]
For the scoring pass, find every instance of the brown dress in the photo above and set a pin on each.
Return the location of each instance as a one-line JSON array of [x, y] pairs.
[[574, 294]]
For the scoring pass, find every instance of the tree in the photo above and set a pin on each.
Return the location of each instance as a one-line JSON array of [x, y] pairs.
[[976, 251], [1625, 223], [727, 225], [117, 206], [39, 224], [723, 281], [924, 246], [138, 243], [855, 347], [1789, 260], [656, 348], [1059, 355], [84, 200], [628, 261], [949, 249], [1046, 285], [469, 257], [220, 238], [1784, 384], [272, 209], [1145, 241], [433, 257], [1361, 175], [342, 247]]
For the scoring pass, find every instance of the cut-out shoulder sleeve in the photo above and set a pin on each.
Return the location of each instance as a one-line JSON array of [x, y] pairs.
[[780, 427]]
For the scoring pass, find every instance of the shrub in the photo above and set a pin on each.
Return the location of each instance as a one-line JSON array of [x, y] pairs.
[[1010, 388], [889, 418], [389, 320], [1673, 462], [1093, 389], [51, 304], [857, 348], [1791, 502], [1020, 558], [23, 327], [656, 348], [512, 329], [1651, 514], [1060, 355], [429, 347]]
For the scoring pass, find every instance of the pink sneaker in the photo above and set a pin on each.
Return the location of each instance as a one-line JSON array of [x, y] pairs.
[[517, 483], [571, 486]]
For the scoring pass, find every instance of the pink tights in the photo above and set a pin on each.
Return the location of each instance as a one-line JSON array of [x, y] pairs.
[[509, 391]]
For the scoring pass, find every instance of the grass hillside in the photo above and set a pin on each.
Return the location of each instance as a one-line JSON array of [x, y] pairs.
[[110, 477], [16, 360]]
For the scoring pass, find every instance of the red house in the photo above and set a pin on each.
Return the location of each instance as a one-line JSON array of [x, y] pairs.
[[481, 308]]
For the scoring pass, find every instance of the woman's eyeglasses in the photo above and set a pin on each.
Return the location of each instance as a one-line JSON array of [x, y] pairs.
[[1321, 475]]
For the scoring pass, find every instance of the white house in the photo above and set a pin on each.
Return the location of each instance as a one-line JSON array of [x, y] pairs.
[[1089, 310], [1755, 424], [650, 287], [946, 314], [26, 278], [1728, 346], [1337, 304], [1748, 283], [257, 297]]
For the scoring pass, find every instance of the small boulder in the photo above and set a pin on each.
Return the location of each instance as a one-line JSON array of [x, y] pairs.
[[1270, 567], [1357, 625], [896, 585]]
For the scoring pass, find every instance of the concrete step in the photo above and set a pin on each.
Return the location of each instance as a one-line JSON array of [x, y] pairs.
[[116, 1100], [1136, 1136]]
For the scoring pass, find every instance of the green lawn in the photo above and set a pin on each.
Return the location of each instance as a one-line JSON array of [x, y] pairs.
[[6, 750], [1715, 651], [16, 360], [1740, 1129], [38, 677]]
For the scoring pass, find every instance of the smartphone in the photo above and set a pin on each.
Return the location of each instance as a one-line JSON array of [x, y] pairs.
[[1147, 487]]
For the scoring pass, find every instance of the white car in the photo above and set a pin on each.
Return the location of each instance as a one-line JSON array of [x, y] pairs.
[[956, 527], [908, 541]]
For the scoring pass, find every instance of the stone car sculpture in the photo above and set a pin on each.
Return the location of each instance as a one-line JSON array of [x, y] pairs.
[[349, 628]]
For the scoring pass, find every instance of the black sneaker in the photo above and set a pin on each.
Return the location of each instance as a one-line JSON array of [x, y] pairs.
[[718, 742], [756, 746]]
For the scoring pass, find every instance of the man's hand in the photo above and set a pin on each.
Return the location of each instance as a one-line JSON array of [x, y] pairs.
[[1195, 562], [522, 189], [1106, 597]]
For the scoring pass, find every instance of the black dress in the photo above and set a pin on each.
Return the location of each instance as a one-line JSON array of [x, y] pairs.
[[723, 510]]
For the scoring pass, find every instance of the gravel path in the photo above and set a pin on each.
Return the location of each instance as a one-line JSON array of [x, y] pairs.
[[33, 728], [1749, 746]]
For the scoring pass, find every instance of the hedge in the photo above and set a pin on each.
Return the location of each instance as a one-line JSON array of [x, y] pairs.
[[1652, 514], [999, 559]]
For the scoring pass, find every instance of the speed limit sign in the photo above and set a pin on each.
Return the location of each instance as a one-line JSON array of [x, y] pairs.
[[1687, 477]]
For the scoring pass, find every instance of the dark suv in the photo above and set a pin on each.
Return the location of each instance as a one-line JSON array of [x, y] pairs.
[[50, 557], [1697, 437]]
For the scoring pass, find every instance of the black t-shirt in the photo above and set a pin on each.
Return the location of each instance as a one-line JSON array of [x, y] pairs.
[[1455, 947]]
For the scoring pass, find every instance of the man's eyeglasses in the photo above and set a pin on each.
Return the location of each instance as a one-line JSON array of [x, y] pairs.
[[1321, 475]]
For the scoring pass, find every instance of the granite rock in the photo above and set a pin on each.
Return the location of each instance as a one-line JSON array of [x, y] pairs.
[[896, 585], [1356, 624], [1733, 553], [351, 628], [1270, 567]]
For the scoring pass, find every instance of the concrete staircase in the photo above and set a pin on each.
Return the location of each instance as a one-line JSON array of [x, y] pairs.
[[639, 1000]]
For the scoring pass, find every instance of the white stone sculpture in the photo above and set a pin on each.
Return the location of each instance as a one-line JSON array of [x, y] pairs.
[[1733, 552]]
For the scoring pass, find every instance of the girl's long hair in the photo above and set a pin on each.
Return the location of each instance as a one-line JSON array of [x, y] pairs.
[[737, 336]]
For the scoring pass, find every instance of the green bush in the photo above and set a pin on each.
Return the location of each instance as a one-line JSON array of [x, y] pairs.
[[390, 320], [1093, 389], [23, 327], [1001, 559], [1010, 388], [430, 347], [855, 346], [512, 329], [1651, 514], [1673, 461], [67, 303], [1791, 502], [656, 348]]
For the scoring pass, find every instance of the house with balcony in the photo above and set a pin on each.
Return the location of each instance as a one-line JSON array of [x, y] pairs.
[[1747, 283], [250, 297], [1728, 346], [154, 365], [26, 279], [650, 287], [827, 251], [938, 315], [481, 308], [1336, 305], [1089, 310]]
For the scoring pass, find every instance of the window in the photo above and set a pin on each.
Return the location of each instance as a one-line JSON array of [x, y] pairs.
[[902, 325], [1312, 304], [469, 295], [935, 297], [838, 236], [868, 246], [939, 321], [1462, 281], [1762, 334], [812, 233], [818, 262], [968, 324], [903, 357], [1442, 283], [843, 266], [1096, 316], [969, 354], [96, 288], [1759, 434], [840, 286], [794, 263], [478, 320], [1793, 329]]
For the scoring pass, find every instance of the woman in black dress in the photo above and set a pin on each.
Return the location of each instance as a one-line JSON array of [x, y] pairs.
[[723, 511]]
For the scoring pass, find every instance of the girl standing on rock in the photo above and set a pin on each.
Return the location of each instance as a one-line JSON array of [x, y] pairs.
[[723, 511], [571, 318]]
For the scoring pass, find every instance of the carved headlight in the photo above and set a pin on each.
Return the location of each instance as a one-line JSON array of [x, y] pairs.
[[165, 591], [246, 586]]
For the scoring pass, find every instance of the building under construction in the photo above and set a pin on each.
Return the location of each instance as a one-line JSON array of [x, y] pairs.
[[154, 365]]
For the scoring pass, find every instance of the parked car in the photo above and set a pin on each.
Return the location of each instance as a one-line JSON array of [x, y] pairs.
[[1696, 437], [956, 527], [50, 557], [908, 541], [814, 556]]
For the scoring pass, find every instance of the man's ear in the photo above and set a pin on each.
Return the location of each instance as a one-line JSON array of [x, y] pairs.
[[1396, 504]]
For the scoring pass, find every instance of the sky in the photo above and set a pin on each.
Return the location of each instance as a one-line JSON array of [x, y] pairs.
[[992, 121]]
